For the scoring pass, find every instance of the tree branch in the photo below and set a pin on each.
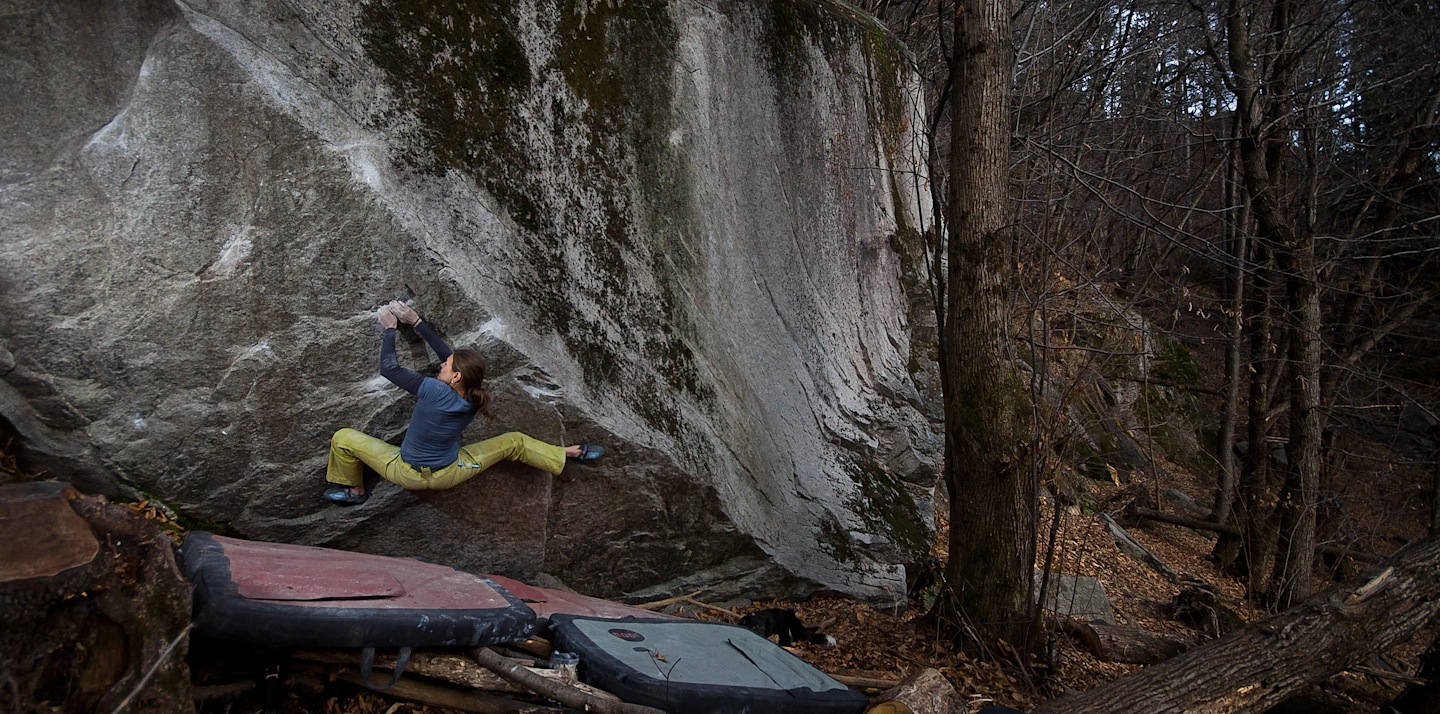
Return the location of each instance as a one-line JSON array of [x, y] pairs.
[[569, 696]]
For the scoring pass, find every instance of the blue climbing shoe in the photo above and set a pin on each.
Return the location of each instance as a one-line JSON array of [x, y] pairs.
[[344, 496], [589, 452]]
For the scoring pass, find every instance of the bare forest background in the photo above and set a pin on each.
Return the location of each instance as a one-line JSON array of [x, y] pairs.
[[1249, 186]]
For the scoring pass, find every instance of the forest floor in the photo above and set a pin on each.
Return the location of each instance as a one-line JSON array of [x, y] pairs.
[[892, 645]]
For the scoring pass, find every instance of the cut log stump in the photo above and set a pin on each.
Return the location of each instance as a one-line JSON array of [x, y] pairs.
[[924, 692], [94, 611]]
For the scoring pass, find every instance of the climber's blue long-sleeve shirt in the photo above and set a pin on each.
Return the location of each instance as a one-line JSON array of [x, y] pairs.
[[441, 415]]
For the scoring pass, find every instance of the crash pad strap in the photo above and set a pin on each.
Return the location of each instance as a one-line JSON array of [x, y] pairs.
[[367, 661]]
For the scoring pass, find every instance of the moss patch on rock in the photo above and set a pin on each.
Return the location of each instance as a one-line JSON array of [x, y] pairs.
[[469, 98], [886, 507], [459, 69]]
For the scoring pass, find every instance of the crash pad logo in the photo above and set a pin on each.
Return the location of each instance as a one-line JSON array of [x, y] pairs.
[[628, 635]]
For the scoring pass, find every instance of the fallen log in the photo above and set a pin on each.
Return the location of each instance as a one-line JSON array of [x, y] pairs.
[[206, 692], [1131, 547], [1186, 521], [521, 657], [1265, 663], [1118, 643], [535, 646], [94, 611], [566, 695], [1391, 676], [1364, 692], [1183, 500], [926, 691], [1340, 551]]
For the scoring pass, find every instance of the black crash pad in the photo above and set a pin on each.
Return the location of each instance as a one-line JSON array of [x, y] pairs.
[[279, 595]]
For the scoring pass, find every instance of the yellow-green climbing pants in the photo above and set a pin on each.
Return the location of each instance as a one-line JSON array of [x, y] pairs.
[[350, 448]]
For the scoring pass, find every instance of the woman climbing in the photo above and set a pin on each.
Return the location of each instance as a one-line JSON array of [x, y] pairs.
[[431, 457]]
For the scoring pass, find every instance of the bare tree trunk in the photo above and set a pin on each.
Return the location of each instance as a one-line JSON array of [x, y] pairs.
[[1264, 118], [94, 612], [1266, 663], [1300, 497], [992, 492], [1237, 252], [1252, 553], [1264, 139]]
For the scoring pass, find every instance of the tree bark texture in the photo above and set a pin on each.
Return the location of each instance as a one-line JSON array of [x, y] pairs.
[[1264, 664], [926, 691], [1236, 250], [1252, 552], [1300, 496], [1265, 123], [992, 502]]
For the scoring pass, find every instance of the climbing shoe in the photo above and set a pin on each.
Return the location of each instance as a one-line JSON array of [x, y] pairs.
[[344, 496], [589, 452]]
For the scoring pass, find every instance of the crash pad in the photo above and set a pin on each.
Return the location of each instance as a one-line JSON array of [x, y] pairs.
[[282, 595], [698, 667]]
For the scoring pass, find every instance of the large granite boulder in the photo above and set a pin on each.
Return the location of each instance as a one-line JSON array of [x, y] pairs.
[[687, 231]]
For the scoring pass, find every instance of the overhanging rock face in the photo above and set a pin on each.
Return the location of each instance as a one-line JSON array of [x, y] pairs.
[[687, 231]]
